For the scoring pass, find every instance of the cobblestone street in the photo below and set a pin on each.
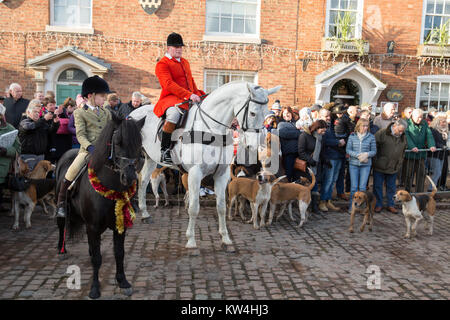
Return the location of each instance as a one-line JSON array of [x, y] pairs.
[[320, 261]]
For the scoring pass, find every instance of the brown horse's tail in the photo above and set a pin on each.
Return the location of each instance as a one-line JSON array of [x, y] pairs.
[[313, 179], [434, 187]]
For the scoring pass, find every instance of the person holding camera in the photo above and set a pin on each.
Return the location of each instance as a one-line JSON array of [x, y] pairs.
[[34, 133]]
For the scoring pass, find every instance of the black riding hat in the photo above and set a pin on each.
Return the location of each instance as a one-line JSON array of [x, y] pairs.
[[338, 109], [94, 84], [175, 40]]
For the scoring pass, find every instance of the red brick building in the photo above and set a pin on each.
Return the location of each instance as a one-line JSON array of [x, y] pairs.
[[54, 44]]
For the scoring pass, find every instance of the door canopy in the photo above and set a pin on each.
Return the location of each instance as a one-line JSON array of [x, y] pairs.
[[370, 86]]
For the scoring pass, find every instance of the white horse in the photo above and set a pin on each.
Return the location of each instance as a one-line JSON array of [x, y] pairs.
[[242, 100]]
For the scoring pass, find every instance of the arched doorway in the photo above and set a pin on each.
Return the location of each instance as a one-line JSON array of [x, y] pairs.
[[69, 84], [347, 90]]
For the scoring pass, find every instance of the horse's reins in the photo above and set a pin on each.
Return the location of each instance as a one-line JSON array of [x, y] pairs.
[[127, 161], [244, 120]]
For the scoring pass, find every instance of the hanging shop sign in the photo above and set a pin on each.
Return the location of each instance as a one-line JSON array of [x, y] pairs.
[[394, 95]]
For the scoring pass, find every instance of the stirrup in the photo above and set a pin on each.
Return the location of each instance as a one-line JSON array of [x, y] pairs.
[[61, 212], [166, 157]]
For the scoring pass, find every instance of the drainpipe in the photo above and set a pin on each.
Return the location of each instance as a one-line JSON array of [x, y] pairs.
[[295, 59]]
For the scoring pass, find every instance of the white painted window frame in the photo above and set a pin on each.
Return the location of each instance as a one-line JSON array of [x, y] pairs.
[[87, 28], [236, 37], [359, 19], [229, 72], [430, 78], [424, 13]]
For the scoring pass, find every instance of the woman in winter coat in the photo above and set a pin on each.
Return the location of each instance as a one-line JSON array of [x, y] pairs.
[[34, 133], [288, 135], [310, 147], [361, 147], [439, 129]]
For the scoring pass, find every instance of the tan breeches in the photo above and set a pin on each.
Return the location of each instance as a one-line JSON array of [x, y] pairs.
[[76, 165]]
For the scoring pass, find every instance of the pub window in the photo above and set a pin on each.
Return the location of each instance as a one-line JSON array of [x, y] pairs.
[[433, 92], [436, 19], [233, 17], [71, 13], [216, 78], [339, 10]]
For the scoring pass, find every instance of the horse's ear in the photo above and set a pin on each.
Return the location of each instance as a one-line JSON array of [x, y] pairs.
[[140, 123], [273, 90]]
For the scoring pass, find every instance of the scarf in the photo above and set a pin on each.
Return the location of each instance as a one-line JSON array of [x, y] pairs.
[[443, 131], [317, 149]]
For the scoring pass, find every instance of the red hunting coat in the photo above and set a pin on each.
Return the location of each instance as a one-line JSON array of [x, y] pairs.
[[176, 82]]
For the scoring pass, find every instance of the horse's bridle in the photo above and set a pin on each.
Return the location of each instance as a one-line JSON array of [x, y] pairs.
[[245, 107], [115, 166]]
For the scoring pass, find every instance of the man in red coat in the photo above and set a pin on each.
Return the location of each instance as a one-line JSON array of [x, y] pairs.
[[175, 77]]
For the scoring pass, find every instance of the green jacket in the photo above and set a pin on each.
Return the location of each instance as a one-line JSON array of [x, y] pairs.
[[5, 162], [418, 136], [89, 125], [390, 151]]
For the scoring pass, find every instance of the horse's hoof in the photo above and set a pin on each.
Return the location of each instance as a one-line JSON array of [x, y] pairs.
[[15, 228], [191, 244], [147, 220], [227, 241], [127, 291], [228, 248], [95, 293]]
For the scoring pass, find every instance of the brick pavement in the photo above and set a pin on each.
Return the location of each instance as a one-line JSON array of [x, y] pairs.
[[320, 261]]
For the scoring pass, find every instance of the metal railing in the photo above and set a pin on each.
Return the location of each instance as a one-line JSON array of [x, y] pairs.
[[420, 163]]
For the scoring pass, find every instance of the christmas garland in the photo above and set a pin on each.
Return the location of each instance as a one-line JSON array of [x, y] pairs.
[[124, 211]]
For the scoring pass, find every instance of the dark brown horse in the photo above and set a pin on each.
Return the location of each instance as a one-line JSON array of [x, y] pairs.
[[114, 161]]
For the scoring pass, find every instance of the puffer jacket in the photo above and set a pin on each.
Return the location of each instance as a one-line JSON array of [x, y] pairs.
[[355, 146], [288, 134]]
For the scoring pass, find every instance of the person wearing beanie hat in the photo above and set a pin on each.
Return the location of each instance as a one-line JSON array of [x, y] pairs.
[[276, 108], [7, 154], [89, 122], [177, 84], [270, 122]]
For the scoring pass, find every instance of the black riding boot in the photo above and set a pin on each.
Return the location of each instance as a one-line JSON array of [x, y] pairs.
[[61, 211], [165, 148], [166, 142], [315, 204]]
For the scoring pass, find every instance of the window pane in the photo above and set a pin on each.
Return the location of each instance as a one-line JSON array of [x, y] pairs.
[[59, 2], [436, 22], [424, 89], [226, 9], [430, 6], [250, 26], [212, 8], [434, 93], [236, 77], [439, 6], [332, 31], [238, 25], [238, 10], [212, 24], [426, 34], [353, 4], [250, 11], [444, 91], [428, 22], [60, 15], [72, 3], [85, 3], [333, 16], [225, 25], [249, 78], [85, 16], [447, 7], [344, 4], [335, 4]]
